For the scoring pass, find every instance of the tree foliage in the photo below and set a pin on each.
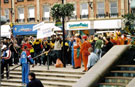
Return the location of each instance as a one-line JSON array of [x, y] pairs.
[[62, 10], [129, 23]]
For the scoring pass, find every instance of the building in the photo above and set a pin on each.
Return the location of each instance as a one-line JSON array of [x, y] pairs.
[[98, 15]]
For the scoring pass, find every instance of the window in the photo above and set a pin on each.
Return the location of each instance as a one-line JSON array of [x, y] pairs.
[[6, 1], [100, 9], [46, 13], [20, 14], [84, 10], [31, 14], [113, 9], [74, 13], [7, 14], [20, 0]]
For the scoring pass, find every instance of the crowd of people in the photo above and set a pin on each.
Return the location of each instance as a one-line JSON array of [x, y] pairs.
[[78, 49]]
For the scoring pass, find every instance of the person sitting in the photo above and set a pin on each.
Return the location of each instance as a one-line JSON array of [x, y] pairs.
[[34, 82], [92, 58]]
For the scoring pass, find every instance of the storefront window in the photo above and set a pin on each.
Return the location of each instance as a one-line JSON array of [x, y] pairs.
[[84, 10], [6, 1], [113, 9], [20, 14], [46, 13], [31, 14], [100, 9], [7, 14]]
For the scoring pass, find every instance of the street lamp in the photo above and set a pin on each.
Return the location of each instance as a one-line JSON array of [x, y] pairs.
[[63, 50]]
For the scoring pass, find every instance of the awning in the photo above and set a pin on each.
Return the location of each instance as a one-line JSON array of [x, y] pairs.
[[5, 31], [132, 4], [107, 24], [3, 20], [24, 30]]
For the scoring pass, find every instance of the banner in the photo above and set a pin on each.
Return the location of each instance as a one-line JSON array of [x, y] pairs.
[[24, 30], [38, 26], [44, 32], [84, 25]]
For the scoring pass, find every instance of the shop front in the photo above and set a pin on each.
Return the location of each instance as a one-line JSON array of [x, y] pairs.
[[24, 30], [81, 27], [103, 26]]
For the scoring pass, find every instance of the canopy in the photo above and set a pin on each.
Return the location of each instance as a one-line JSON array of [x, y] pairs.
[[5, 31], [132, 4], [24, 30]]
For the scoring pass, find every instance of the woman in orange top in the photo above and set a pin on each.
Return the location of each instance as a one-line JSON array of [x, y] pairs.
[[77, 55], [84, 51]]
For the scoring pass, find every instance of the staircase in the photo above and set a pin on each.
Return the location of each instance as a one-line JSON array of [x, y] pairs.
[[49, 78], [120, 76]]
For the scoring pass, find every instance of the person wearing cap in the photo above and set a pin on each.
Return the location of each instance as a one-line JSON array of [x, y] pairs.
[[77, 55], [84, 51], [33, 81], [24, 61], [6, 55]]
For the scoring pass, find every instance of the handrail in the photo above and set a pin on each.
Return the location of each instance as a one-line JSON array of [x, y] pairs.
[[20, 64], [91, 78]]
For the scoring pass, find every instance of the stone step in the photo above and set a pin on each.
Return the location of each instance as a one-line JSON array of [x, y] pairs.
[[118, 79], [112, 84], [123, 73], [46, 83], [125, 66], [54, 71], [50, 75], [17, 79]]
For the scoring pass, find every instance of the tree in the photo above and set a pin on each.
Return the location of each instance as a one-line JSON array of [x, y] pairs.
[[60, 10], [129, 24]]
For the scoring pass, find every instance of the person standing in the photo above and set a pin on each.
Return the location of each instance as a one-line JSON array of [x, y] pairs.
[[84, 51], [77, 55], [6, 55], [98, 46], [24, 61], [34, 82]]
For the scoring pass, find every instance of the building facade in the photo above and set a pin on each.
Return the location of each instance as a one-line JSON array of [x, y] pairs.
[[94, 11]]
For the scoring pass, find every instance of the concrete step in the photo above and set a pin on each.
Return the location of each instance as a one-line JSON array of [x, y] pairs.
[[50, 75], [112, 84], [125, 66], [123, 73], [17, 83], [54, 71], [17, 79], [118, 79]]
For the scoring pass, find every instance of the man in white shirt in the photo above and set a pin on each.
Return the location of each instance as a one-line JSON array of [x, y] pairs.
[[92, 58]]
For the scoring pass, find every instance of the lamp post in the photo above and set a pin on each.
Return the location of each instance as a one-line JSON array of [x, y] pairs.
[[63, 50]]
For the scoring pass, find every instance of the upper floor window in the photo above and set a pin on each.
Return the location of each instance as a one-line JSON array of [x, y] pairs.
[[6, 1], [20, 14], [100, 9], [7, 14], [84, 10], [20, 0], [74, 13], [31, 14], [113, 9], [46, 12]]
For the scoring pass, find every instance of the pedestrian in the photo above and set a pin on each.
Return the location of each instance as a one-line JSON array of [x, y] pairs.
[[92, 58], [84, 51], [34, 82], [77, 55], [6, 55], [24, 61]]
